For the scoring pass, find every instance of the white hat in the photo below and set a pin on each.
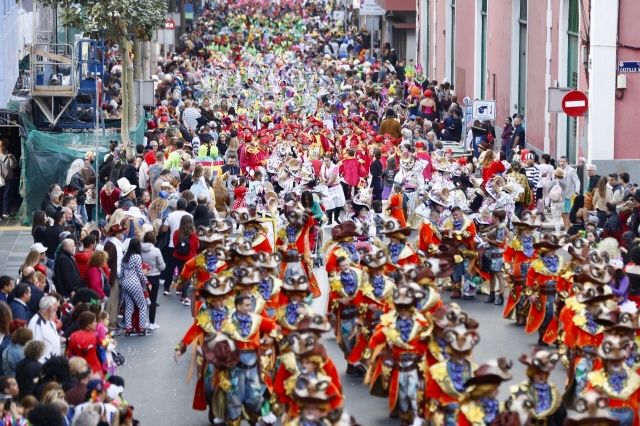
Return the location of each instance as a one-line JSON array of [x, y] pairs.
[[134, 212], [125, 186], [39, 247]]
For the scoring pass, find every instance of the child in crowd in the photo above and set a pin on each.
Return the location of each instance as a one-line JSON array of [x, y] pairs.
[[239, 192]]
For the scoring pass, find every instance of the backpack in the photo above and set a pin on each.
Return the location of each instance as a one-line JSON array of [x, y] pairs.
[[184, 247], [555, 194]]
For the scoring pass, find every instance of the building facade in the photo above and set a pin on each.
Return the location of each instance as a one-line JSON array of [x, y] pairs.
[[512, 51], [8, 49]]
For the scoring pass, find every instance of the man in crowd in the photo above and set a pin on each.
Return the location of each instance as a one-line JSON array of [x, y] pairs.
[[571, 188], [108, 198], [44, 329], [66, 274]]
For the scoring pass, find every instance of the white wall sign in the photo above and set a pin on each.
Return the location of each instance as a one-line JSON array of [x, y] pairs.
[[370, 8], [483, 110]]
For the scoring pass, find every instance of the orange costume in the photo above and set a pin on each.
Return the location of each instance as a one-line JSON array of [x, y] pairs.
[[293, 242], [411, 346], [342, 244], [345, 286], [397, 212], [544, 283], [429, 236], [519, 255], [622, 387], [374, 291]]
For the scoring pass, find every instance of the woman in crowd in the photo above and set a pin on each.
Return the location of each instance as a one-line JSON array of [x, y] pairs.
[[601, 196], [28, 369], [387, 178], [578, 216], [20, 336], [376, 174], [38, 226], [96, 278], [185, 241], [133, 283], [152, 256], [491, 167], [77, 186]]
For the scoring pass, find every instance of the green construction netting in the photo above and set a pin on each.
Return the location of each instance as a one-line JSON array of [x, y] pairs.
[[46, 157]]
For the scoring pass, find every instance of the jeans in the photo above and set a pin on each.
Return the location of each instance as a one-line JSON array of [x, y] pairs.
[[82, 210], [7, 197]]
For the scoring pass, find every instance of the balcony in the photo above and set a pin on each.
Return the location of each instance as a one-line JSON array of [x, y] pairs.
[[397, 5]]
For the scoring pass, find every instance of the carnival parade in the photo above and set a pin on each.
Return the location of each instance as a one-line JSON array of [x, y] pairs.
[[331, 218]]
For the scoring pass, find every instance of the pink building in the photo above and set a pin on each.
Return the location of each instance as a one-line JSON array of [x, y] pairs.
[[512, 51]]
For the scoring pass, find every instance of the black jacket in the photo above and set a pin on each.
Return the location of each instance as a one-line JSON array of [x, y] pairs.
[[77, 184], [131, 174], [27, 370], [66, 276], [52, 239]]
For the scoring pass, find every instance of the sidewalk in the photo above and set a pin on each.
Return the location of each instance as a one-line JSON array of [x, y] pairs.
[[14, 247]]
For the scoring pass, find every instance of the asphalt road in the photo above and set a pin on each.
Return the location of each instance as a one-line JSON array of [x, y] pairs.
[[158, 388]]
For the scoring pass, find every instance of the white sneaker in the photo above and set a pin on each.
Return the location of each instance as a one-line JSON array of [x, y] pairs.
[[153, 326], [187, 302]]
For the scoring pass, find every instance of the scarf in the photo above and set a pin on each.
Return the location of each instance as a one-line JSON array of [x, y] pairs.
[[543, 392], [617, 381], [457, 224], [291, 313], [348, 283], [244, 321], [443, 347], [212, 263], [250, 235], [457, 374], [405, 325], [490, 408], [394, 251], [551, 263], [378, 285], [527, 246], [217, 316], [351, 249], [291, 233], [592, 326], [264, 287]]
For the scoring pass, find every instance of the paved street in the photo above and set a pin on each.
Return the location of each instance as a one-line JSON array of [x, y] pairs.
[[157, 387]]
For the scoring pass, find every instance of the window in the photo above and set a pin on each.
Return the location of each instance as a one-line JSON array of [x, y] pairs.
[[483, 50], [522, 60], [573, 34]]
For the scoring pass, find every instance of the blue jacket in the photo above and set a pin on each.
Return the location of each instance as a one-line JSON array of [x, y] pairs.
[[20, 310], [10, 357]]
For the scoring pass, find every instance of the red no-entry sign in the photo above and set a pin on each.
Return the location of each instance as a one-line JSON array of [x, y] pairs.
[[575, 103]]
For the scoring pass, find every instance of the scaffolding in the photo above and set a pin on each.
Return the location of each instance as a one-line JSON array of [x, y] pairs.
[[64, 77]]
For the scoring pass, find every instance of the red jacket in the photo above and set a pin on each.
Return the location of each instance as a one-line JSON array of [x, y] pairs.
[[93, 280], [352, 171], [108, 203], [194, 244], [495, 168]]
